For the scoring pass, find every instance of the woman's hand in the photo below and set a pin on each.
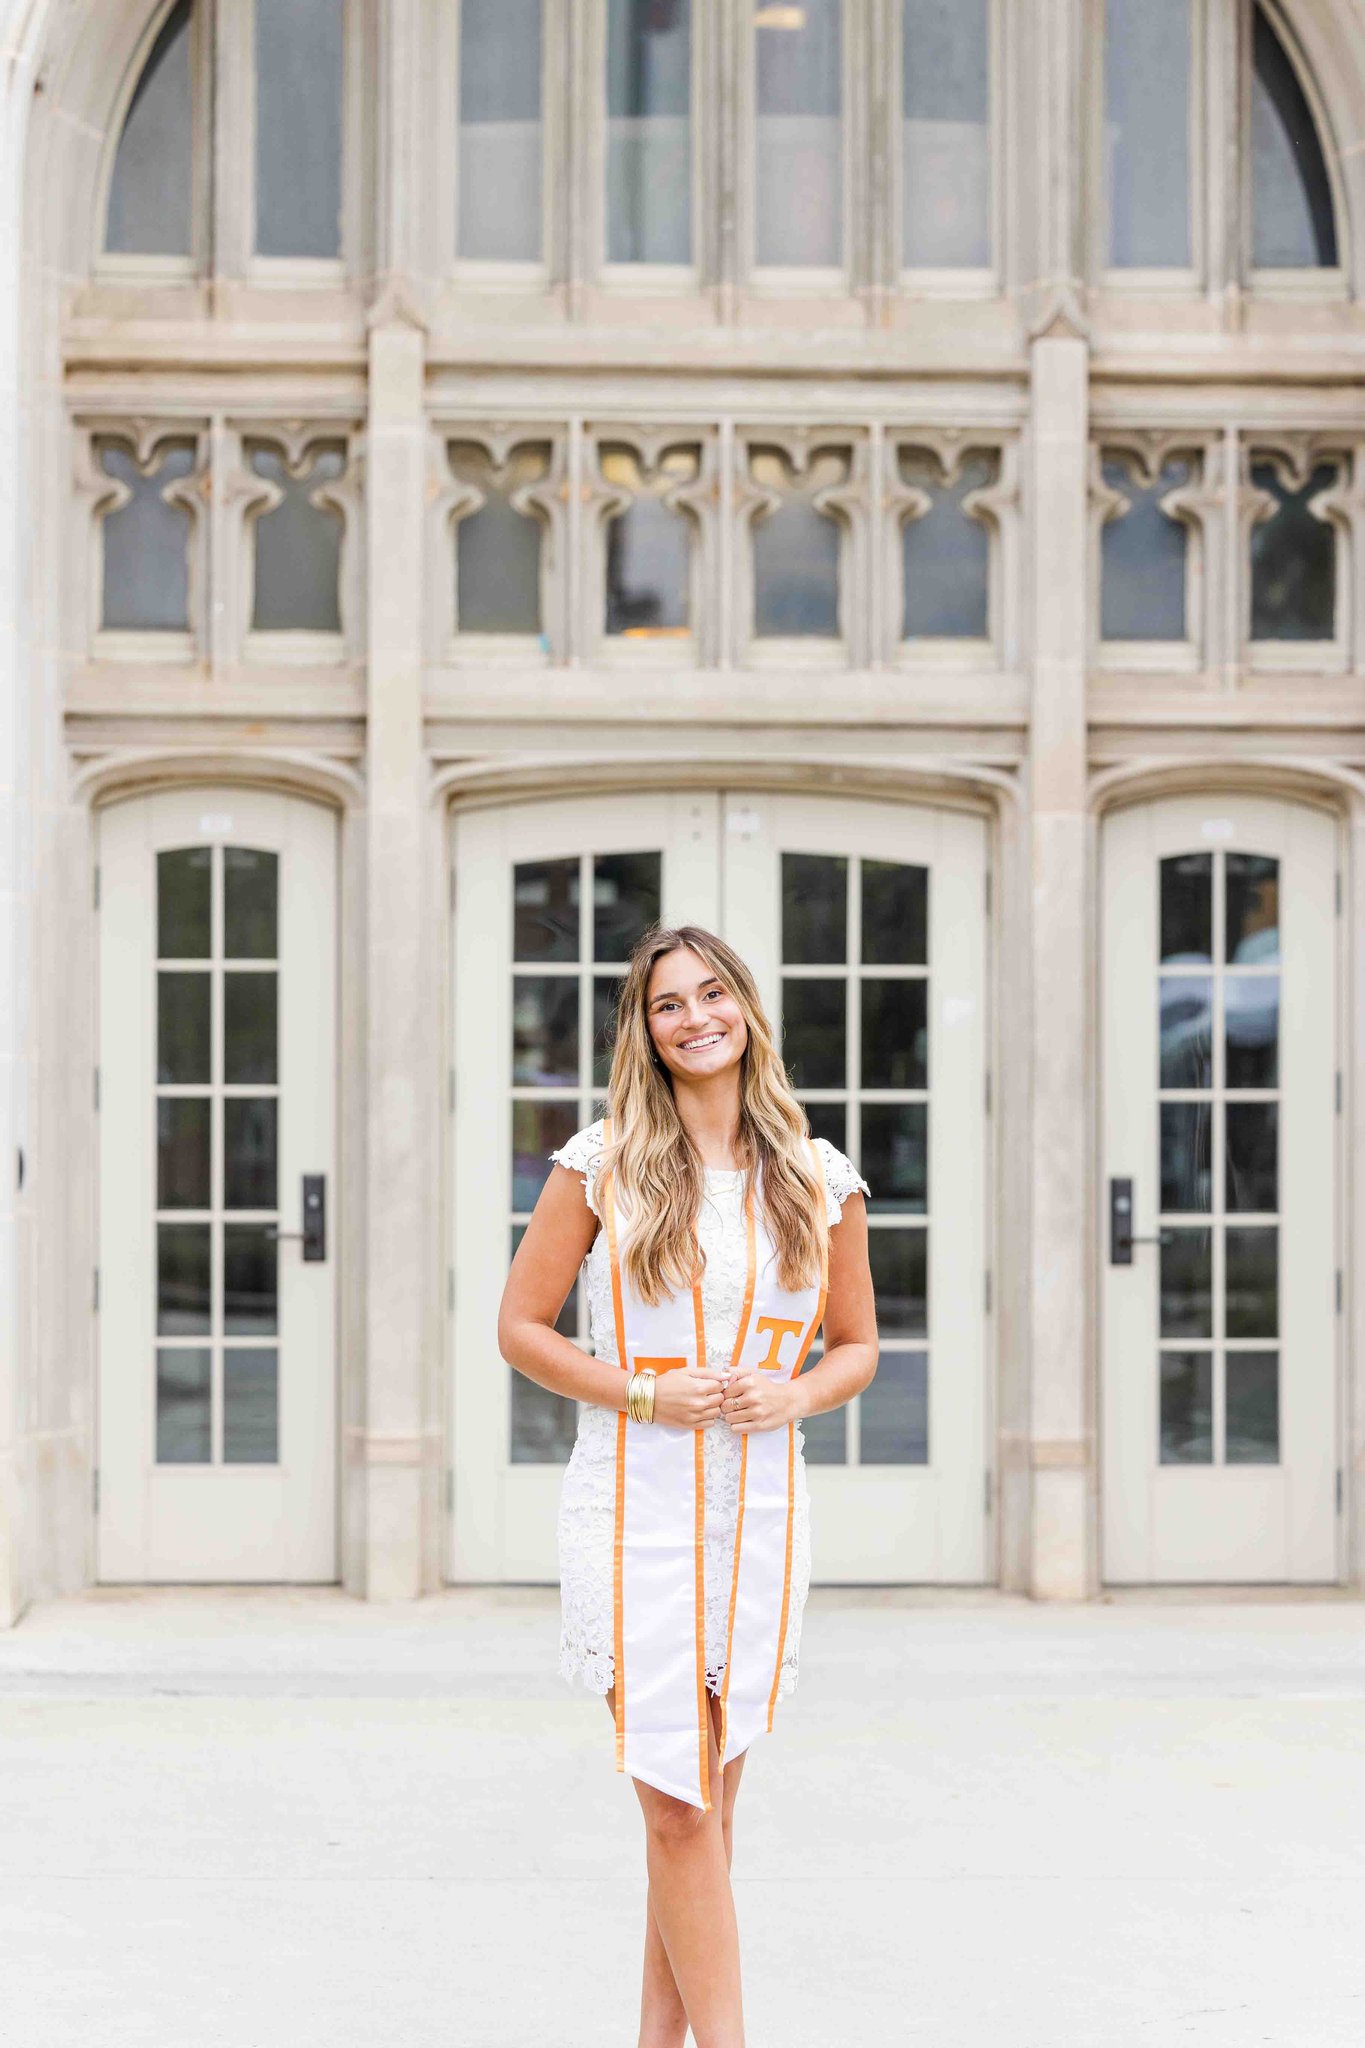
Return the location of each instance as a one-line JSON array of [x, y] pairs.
[[757, 1400], [687, 1398]]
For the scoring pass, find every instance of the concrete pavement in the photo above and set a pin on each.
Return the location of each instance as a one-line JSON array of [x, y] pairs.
[[281, 1819]]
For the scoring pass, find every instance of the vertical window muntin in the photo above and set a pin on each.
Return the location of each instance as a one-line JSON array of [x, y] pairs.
[[506, 269], [1143, 276], [786, 275], [680, 269], [1294, 460], [949, 279]]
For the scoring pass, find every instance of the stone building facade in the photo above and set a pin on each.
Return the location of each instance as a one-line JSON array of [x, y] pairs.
[[885, 478]]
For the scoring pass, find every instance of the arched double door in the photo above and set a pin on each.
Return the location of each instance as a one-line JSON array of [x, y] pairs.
[[865, 925]]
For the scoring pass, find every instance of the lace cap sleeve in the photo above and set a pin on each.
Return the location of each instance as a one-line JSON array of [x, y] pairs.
[[841, 1178], [583, 1154]]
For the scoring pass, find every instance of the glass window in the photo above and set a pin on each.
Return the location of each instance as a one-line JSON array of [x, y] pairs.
[[298, 127], [498, 538], [1143, 552], [945, 552], [649, 543], [649, 131], [151, 190], [298, 541], [500, 131], [146, 539], [796, 544], [945, 133], [799, 142], [1291, 196], [1293, 558], [1147, 68]]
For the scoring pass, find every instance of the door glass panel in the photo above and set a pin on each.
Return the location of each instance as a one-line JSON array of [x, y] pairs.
[[1186, 1407], [558, 1066], [298, 127], [182, 1027], [798, 133], [945, 134], [1147, 71], [251, 882], [1253, 1405], [250, 1027], [182, 1152], [1292, 217], [145, 541], [1219, 1136], [500, 137], [815, 1032], [152, 189], [895, 914], [900, 1278], [249, 1147], [825, 1436], [182, 903], [829, 1120], [895, 1031], [251, 1405], [250, 1281], [649, 131], [814, 909], [183, 1285], [894, 1411], [184, 1405], [895, 1155]]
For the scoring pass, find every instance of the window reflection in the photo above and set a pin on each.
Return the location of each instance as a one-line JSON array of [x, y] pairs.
[[1292, 218], [649, 542], [1143, 552], [146, 538], [798, 133], [151, 192], [649, 131], [945, 133], [796, 544], [498, 538], [945, 552], [500, 131], [1147, 68], [1293, 557]]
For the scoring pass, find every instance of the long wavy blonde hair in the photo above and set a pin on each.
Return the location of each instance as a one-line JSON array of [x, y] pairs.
[[653, 1161]]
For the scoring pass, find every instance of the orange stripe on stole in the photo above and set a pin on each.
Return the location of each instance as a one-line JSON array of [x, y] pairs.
[[806, 1343], [619, 1524], [699, 1565], [750, 1279]]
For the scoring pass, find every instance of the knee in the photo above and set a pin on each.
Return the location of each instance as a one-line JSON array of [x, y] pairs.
[[674, 1826]]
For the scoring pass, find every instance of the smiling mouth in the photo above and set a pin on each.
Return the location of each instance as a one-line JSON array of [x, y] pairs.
[[700, 1044]]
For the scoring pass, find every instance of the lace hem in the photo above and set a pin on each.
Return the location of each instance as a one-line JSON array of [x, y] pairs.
[[595, 1671]]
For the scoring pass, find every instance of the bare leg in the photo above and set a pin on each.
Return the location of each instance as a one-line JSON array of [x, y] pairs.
[[663, 2016]]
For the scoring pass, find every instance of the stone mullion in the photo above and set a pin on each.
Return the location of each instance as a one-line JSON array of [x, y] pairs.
[[234, 179], [1224, 109], [727, 158]]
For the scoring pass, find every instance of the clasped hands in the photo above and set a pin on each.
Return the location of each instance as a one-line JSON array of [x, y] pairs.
[[748, 1400]]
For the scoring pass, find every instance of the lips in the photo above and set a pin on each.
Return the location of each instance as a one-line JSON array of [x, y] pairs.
[[701, 1044]]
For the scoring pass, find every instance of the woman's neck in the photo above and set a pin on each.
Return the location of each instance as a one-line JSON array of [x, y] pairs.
[[709, 1113]]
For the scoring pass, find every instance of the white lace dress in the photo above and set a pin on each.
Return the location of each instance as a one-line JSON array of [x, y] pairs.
[[587, 1504]]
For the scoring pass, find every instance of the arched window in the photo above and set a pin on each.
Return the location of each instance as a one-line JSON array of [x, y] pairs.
[[151, 207], [1291, 195]]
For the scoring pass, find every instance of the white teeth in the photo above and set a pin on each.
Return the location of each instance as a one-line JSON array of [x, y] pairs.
[[692, 1044]]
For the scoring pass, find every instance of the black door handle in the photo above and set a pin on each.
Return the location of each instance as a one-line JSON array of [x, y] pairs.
[[1122, 1237], [313, 1236]]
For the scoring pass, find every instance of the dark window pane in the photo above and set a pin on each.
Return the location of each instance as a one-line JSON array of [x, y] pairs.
[[1293, 560], [945, 553], [649, 570], [828, 1120], [182, 1028], [899, 1260], [566, 1322], [798, 133], [894, 1411], [815, 1032], [145, 542], [543, 1424], [1186, 1407], [183, 1295], [545, 910], [251, 884], [945, 134], [249, 1152], [251, 1406], [498, 543], [895, 1034], [182, 1152], [250, 1027], [796, 546], [1186, 1030], [152, 189], [182, 903], [649, 131], [606, 991], [500, 141], [298, 127], [1251, 1011], [814, 910], [545, 1030], [184, 1414], [298, 544], [1147, 72], [1142, 581], [895, 914], [250, 1281], [1292, 220], [825, 1437], [1187, 907], [538, 1128], [1252, 1156], [1186, 1157], [895, 1156], [1186, 1283], [1253, 910], [1253, 1407], [1253, 1282], [627, 891]]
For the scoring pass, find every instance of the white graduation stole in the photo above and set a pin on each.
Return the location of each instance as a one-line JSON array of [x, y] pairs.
[[658, 1590]]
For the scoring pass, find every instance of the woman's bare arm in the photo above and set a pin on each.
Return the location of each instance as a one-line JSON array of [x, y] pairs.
[[557, 1240]]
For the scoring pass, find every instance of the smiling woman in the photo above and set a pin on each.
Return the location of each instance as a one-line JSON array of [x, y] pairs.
[[701, 1213]]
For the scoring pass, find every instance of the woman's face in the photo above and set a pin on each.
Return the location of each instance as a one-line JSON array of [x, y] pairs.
[[697, 1027]]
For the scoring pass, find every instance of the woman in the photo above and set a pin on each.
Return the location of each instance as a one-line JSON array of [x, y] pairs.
[[703, 1210]]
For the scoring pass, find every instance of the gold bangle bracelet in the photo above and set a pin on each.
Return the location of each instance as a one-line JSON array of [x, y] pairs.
[[640, 1396]]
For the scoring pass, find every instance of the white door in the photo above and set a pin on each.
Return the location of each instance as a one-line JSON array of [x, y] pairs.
[[1219, 1338], [865, 925], [217, 1357]]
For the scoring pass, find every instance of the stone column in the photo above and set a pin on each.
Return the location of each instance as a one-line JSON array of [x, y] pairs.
[[1061, 1344]]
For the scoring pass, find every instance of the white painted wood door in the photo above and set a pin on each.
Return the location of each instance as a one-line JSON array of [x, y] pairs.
[[217, 1336], [549, 898], [1219, 1370]]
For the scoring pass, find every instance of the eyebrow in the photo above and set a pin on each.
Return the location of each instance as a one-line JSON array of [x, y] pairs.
[[711, 981]]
